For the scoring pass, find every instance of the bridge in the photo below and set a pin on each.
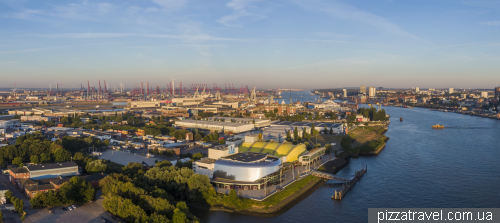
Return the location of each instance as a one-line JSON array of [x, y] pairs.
[[348, 183], [328, 176]]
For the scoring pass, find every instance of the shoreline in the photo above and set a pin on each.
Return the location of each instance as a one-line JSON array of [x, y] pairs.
[[275, 210], [304, 192]]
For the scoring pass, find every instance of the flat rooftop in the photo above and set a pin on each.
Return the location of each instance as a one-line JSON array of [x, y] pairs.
[[307, 124], [213, 123], [246, 157]]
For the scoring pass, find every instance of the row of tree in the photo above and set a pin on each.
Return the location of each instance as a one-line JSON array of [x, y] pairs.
[[373, 114]]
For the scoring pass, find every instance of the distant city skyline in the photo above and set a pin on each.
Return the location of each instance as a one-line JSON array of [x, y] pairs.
[[289, 44]]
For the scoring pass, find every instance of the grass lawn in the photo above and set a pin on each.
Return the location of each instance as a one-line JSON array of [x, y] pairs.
[[366, 134], [289, 190], [326, 139]]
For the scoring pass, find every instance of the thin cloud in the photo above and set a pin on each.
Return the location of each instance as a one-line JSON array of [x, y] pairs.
[[240, 13], [116, 35], [491, 23], [349, 12]]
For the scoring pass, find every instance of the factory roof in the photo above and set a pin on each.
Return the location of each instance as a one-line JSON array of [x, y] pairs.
[[51, 166], [219, 123], [306, 124]]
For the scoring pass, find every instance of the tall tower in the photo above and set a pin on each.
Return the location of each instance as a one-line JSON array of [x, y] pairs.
[[417, 89], [345, 93], [362, 89], [451, 90]]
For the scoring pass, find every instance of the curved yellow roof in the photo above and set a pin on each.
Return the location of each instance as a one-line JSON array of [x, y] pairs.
[[257, 147], [244, 147], [296, 152], [270, 148], [284, 149]]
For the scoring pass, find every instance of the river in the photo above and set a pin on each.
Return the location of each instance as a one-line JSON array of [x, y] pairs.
[[455, 167]]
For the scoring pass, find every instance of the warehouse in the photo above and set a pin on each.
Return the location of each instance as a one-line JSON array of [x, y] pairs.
[[216, 125], [336, 127]]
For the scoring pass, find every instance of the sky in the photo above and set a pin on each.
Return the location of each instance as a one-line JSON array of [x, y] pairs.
[[266, 44]]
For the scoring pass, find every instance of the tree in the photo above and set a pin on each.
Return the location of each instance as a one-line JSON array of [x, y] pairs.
[[61, 155], [222, 141], [346, 142], [325, 130], [17, 161], [295, 133], [96, 166], [45, 158], [206, 138], [312, 129], [328, 148], [18, 205], [8, 195], [197, 137], [76, 190], [288, 136], [197, 156], [34, 159], [331, 130]]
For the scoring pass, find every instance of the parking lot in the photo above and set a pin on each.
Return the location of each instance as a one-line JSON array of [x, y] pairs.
[[124, 157], [91, 212]]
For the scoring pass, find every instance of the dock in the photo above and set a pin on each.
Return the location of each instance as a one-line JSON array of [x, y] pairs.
[[347, 185]]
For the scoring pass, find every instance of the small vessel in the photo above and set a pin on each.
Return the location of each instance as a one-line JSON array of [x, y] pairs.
[[438, 126], [401, 119]]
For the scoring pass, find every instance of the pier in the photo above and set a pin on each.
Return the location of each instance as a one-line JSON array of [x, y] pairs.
[[347, 185]]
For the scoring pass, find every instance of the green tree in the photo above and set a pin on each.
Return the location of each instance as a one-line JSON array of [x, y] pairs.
[[331, 130], [96, 166], [34, 159], [197, 137], [346, 142], [17, 161], [295, 133], [197, 156], [328, 148], [76, 190], [45, 158], [61, 155], [8, 196], [222, 141], [325, 130]]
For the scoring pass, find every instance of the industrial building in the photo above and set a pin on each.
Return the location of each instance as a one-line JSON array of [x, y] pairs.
[[220, 126], [257, 122], [336, 127], [42, 171]]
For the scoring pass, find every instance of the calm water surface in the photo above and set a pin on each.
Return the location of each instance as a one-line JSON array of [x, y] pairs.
[[456, 167]]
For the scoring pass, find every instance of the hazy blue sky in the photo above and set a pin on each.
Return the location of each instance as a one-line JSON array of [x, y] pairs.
[[281, 43]]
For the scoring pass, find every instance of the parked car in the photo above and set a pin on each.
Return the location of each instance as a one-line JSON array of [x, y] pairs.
[[105, 220], [70, 208], [73, 206], [51, 211], [64, 209]]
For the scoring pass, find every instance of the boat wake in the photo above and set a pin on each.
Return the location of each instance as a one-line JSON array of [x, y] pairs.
[[466, 127]]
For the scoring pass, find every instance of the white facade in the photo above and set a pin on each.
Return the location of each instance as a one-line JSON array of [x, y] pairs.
[[417, 89], [216, 125], [9, 123], [362, 89], [451, 90], [372, 92], [484, 94]]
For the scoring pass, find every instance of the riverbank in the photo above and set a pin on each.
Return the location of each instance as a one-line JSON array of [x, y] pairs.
[[275, 204]]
